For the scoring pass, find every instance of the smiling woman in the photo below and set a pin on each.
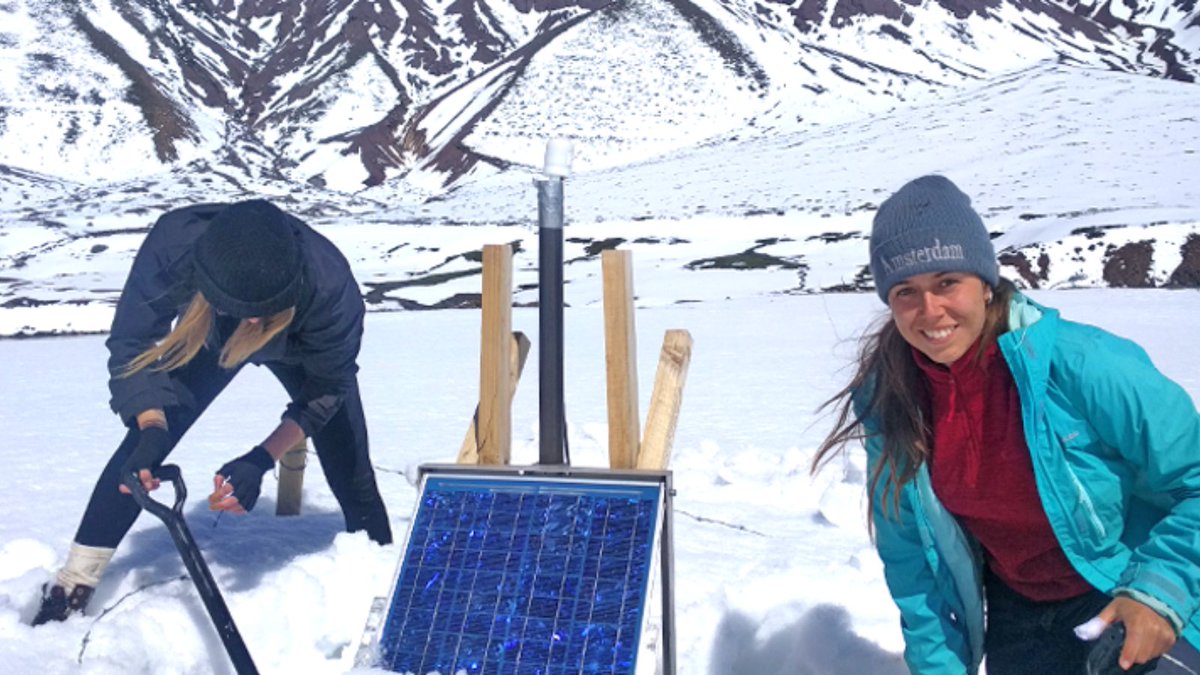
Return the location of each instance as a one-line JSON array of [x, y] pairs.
[[993, 429]]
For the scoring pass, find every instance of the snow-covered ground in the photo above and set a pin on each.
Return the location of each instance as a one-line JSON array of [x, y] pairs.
[[774, 570]]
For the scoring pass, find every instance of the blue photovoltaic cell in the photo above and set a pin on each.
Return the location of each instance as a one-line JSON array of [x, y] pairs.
[[522, 576]]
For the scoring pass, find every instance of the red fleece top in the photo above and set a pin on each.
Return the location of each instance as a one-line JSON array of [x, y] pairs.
[[982, 472]]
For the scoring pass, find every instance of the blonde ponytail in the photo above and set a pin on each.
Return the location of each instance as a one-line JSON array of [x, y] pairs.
[[188, 336], [181, 345]]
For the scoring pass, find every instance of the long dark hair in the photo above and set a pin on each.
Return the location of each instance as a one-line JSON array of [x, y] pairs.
[[897, 401]]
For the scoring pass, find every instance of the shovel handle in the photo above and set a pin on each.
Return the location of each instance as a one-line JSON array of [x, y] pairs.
[[172, 517], [169, 473]]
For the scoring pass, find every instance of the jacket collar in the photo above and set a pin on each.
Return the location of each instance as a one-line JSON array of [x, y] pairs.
[[971, 364], [1032, 332], [1023, 312]]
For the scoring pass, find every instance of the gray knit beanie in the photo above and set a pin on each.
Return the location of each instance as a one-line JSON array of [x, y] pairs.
[[929, 226]]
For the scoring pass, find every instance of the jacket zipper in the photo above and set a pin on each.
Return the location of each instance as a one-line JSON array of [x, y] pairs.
[[1086, 501]]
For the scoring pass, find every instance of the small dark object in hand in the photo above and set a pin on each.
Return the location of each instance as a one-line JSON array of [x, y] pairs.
[[1104, 659]]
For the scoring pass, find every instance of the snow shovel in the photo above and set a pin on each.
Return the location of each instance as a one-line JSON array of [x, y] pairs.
[[173, 518]]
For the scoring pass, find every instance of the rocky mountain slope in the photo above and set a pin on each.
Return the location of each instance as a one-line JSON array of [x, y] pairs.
[[744, 138], [352, 93]]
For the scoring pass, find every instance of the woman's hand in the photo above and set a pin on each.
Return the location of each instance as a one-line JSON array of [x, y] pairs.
[[222, 498], [153, 445], [237, 483], [149, 482], [1148, 635]]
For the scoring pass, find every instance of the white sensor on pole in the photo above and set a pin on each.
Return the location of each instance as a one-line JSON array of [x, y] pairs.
[[559, 153]]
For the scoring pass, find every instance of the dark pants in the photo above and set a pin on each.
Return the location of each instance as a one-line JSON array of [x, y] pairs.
[[1038, 638], [341, 447]]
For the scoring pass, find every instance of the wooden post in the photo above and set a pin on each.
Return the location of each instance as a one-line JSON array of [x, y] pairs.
[[495, 371], [291, 480], [673, 362], [620, 357], [469, 452]]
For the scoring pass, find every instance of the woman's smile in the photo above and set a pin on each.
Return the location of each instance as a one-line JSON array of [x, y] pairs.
[[940, 313]]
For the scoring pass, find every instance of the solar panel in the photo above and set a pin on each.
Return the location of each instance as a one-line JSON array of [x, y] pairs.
[[513, 572]]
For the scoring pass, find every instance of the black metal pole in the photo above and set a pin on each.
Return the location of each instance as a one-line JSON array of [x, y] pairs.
[[550, 320], [667, 569]]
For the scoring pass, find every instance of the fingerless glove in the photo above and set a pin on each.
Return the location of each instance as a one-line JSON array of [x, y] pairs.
[[245, 474], [154, 443]]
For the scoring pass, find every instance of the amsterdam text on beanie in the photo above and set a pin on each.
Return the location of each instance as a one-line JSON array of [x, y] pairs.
[[929, 226], [247, 264]]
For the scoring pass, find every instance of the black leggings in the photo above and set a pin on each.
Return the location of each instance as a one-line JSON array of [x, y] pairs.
[[341, 447]]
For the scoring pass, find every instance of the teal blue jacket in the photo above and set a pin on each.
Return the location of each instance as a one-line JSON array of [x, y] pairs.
[[1116, 455]]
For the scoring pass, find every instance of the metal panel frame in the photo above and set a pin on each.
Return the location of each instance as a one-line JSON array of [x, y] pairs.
[[666, 534]]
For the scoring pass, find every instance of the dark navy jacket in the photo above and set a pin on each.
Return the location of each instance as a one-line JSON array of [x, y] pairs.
[[322, 340]]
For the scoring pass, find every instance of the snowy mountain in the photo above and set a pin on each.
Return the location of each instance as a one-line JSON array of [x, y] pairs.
[[348, 93], [391, 125]]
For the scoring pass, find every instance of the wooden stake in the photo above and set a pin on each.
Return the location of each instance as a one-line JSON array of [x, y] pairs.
[[291, 480], [620, 340], [673, 362], [495, 371], [469, 452]]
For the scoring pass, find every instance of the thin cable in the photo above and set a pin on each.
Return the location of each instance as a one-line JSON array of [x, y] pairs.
[[87, 636]]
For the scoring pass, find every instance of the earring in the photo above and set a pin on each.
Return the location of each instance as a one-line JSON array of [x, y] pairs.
[[988, 299]]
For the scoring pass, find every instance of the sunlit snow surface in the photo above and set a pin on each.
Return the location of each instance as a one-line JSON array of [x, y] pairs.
[[774, 569]]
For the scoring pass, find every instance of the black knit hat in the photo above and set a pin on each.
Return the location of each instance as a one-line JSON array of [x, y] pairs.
[[247, 264]]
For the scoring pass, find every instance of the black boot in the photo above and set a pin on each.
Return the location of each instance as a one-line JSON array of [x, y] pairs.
[[57, 604]]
